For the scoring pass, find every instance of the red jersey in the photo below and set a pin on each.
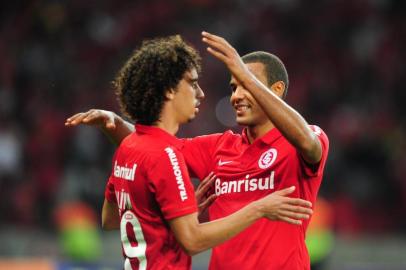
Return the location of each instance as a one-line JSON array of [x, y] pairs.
[[245, 173], [150, 185]]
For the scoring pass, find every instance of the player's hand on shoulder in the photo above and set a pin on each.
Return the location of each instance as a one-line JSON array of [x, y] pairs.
[[94, 117], [278, 206]]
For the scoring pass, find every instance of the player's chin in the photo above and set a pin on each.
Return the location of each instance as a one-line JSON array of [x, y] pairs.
[[241, 120], [191, 117]]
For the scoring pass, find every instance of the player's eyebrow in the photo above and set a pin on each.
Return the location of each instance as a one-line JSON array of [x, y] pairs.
[[191, 79]]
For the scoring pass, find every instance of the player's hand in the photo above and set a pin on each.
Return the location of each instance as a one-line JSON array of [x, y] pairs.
[[278, 206], [222, 50], [203, 196], [94, 117]]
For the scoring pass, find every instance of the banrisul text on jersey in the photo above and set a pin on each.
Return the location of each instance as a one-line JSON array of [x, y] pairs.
[[245, 185]]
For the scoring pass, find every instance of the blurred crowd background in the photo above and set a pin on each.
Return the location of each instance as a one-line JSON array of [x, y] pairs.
[[346, 62]]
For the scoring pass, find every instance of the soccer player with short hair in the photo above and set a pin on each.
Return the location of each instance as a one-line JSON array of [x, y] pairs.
[[276, 149], [149, 185]]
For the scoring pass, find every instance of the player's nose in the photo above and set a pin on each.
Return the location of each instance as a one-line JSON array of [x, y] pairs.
[[238, 94], [200, 93]]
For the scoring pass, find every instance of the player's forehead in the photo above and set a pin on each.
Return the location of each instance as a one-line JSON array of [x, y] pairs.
[[256, 68]]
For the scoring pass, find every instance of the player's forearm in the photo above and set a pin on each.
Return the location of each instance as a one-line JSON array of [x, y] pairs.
[[221, 230], [122, 130], [110, 216], [196, 237], [288, 121]]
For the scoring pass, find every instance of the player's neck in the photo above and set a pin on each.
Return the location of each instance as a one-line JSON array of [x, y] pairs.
[[168, 123], [168, 120], [171, 128], [257, 131]]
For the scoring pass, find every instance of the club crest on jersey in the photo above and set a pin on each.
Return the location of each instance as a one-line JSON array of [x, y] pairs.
[[267, 158]]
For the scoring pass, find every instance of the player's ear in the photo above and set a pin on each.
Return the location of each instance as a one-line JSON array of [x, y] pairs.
[[170, 94], [278, 88]]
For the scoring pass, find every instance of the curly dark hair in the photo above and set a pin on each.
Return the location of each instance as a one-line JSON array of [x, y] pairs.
[[152, 70], [274, 68]]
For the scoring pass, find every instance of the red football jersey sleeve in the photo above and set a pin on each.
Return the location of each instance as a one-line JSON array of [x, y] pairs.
[[170, 181], [313, 170]]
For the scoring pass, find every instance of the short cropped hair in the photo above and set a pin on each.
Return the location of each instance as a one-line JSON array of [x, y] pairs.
[[274, 68], [152, 70]]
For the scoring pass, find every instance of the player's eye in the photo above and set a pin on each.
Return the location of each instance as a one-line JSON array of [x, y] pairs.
[[233, 87]]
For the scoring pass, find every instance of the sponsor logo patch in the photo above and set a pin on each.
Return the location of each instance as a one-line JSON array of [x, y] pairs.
[[124, 172], [246, 184]]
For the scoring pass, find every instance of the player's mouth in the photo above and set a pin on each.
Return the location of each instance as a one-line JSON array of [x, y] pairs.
[[196, 107], [241, 108]]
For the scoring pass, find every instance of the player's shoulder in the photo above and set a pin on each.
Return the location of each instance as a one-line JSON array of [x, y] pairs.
[[228, 134], [162, 150], [207, 136], [131, 140], [142, 146], [164, 157], [231, 134]]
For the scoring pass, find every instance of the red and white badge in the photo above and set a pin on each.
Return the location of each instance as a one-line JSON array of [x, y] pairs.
[[267, 158]]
